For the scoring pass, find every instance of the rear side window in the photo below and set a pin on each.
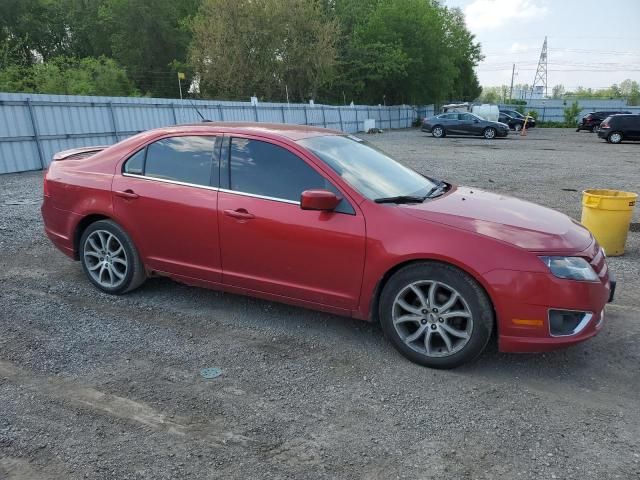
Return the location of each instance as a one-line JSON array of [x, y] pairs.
[[187, 159]]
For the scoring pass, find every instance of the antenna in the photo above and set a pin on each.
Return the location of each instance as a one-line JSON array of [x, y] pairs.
[[198, 111], [541, 72]]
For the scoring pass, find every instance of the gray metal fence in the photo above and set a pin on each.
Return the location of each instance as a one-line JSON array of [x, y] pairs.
[[34, 127], [553, 110]]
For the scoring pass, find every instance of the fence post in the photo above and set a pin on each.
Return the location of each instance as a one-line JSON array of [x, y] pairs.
[[36, 135], [173, 110], [324, 117], [306, 116], [220, 112], [255, 111], [284, 120], [357, 120], [113, 122], [340, 116]]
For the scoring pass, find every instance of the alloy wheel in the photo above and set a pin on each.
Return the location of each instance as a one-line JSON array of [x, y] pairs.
[[432, 318], [105, 258]]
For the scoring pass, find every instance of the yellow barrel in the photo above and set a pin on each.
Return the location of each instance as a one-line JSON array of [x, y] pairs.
[[607, 213]]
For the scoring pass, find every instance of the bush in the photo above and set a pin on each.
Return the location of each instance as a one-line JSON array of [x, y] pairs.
[[571, 113], [69, 76]]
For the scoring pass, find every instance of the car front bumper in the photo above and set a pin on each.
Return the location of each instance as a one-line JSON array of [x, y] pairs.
[[524, 300]]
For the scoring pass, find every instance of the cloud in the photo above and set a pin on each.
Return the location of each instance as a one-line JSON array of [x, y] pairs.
[[517, 47], [491, 14]]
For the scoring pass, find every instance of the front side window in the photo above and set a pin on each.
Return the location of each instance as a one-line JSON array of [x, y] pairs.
[[187, 159], [265, 169], [373, 173]]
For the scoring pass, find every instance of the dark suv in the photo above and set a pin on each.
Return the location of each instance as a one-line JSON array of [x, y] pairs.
[[618, 127], [591, 121]]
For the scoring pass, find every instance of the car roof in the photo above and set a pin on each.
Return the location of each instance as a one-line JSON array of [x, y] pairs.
[[292, 132]]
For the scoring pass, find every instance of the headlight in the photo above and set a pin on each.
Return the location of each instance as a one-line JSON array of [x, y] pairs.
[[571, 268]]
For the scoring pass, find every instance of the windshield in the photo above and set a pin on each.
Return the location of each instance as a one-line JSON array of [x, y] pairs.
[[373, 173]]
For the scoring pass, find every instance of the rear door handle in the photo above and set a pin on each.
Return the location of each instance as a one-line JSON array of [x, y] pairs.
[[240, 214], [129, 194]]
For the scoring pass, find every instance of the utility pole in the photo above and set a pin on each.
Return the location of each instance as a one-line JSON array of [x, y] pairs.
[[513, 72]]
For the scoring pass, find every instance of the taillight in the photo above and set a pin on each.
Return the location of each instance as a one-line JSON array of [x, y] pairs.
[[604, 125]]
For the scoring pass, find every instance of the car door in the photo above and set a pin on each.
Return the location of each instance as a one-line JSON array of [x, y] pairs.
[[468, 124], [451, 123], [632, 126], [166, 197], [269, 244]]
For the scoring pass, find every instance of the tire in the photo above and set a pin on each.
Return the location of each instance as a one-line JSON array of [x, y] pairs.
[[595, 129], [614, 137], [109, 258], [517, 127], [429, 347], [489, 133], [438, 131]]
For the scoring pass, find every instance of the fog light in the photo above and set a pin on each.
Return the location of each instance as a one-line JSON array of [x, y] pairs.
[[566, 322]]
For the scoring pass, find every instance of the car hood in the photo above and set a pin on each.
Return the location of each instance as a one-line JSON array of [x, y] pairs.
[[504, 218]]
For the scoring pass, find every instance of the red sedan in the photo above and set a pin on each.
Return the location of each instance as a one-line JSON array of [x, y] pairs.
[[320, 219]]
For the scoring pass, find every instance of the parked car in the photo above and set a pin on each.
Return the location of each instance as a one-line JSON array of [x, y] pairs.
[[591, 121], [619, 127], [514, 123], [323, 220], [531, 122], [463, 124]]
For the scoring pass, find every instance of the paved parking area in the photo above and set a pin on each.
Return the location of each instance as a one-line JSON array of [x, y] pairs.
[[93, 386]]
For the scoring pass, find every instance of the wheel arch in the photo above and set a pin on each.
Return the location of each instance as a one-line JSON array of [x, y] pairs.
[[375, 298], [82, 225]]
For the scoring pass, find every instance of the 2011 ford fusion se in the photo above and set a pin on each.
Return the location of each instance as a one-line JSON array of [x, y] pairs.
[[323, 220]]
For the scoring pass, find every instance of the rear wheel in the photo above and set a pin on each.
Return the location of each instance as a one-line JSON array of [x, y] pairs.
[[110, 259], [595, 129], [436, 315], [615, 137], [437, 131], [489, 133], [517, 127]]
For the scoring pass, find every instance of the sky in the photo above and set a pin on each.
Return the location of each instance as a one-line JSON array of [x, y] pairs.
[[591, 43]]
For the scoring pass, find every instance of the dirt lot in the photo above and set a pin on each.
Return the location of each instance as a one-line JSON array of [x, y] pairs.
[[93, 386]]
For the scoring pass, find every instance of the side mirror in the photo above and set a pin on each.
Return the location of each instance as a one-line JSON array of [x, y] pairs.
[[319, 200]]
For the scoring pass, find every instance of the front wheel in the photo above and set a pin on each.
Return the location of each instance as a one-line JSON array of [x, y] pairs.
[[517, 127], [436, 315], [615, 137], [489, 133], [437, 131], [110, 259]]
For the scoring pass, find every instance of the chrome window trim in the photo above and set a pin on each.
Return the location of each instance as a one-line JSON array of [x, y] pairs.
[[588, 316], [263, 197], [215, 189], [174, 182]]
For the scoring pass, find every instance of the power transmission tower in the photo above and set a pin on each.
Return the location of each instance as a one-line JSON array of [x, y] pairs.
[[541, 73]]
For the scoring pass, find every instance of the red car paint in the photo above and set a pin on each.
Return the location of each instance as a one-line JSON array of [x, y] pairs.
[[325, 260]]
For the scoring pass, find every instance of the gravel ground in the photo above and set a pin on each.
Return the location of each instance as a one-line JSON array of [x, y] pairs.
[[94, 386]]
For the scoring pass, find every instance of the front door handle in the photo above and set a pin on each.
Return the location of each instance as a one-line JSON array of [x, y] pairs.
[[128, 194], [240, 214]]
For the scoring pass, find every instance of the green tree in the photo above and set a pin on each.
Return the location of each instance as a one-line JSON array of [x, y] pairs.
[[148, 37], [557, 91], [245, 47]]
